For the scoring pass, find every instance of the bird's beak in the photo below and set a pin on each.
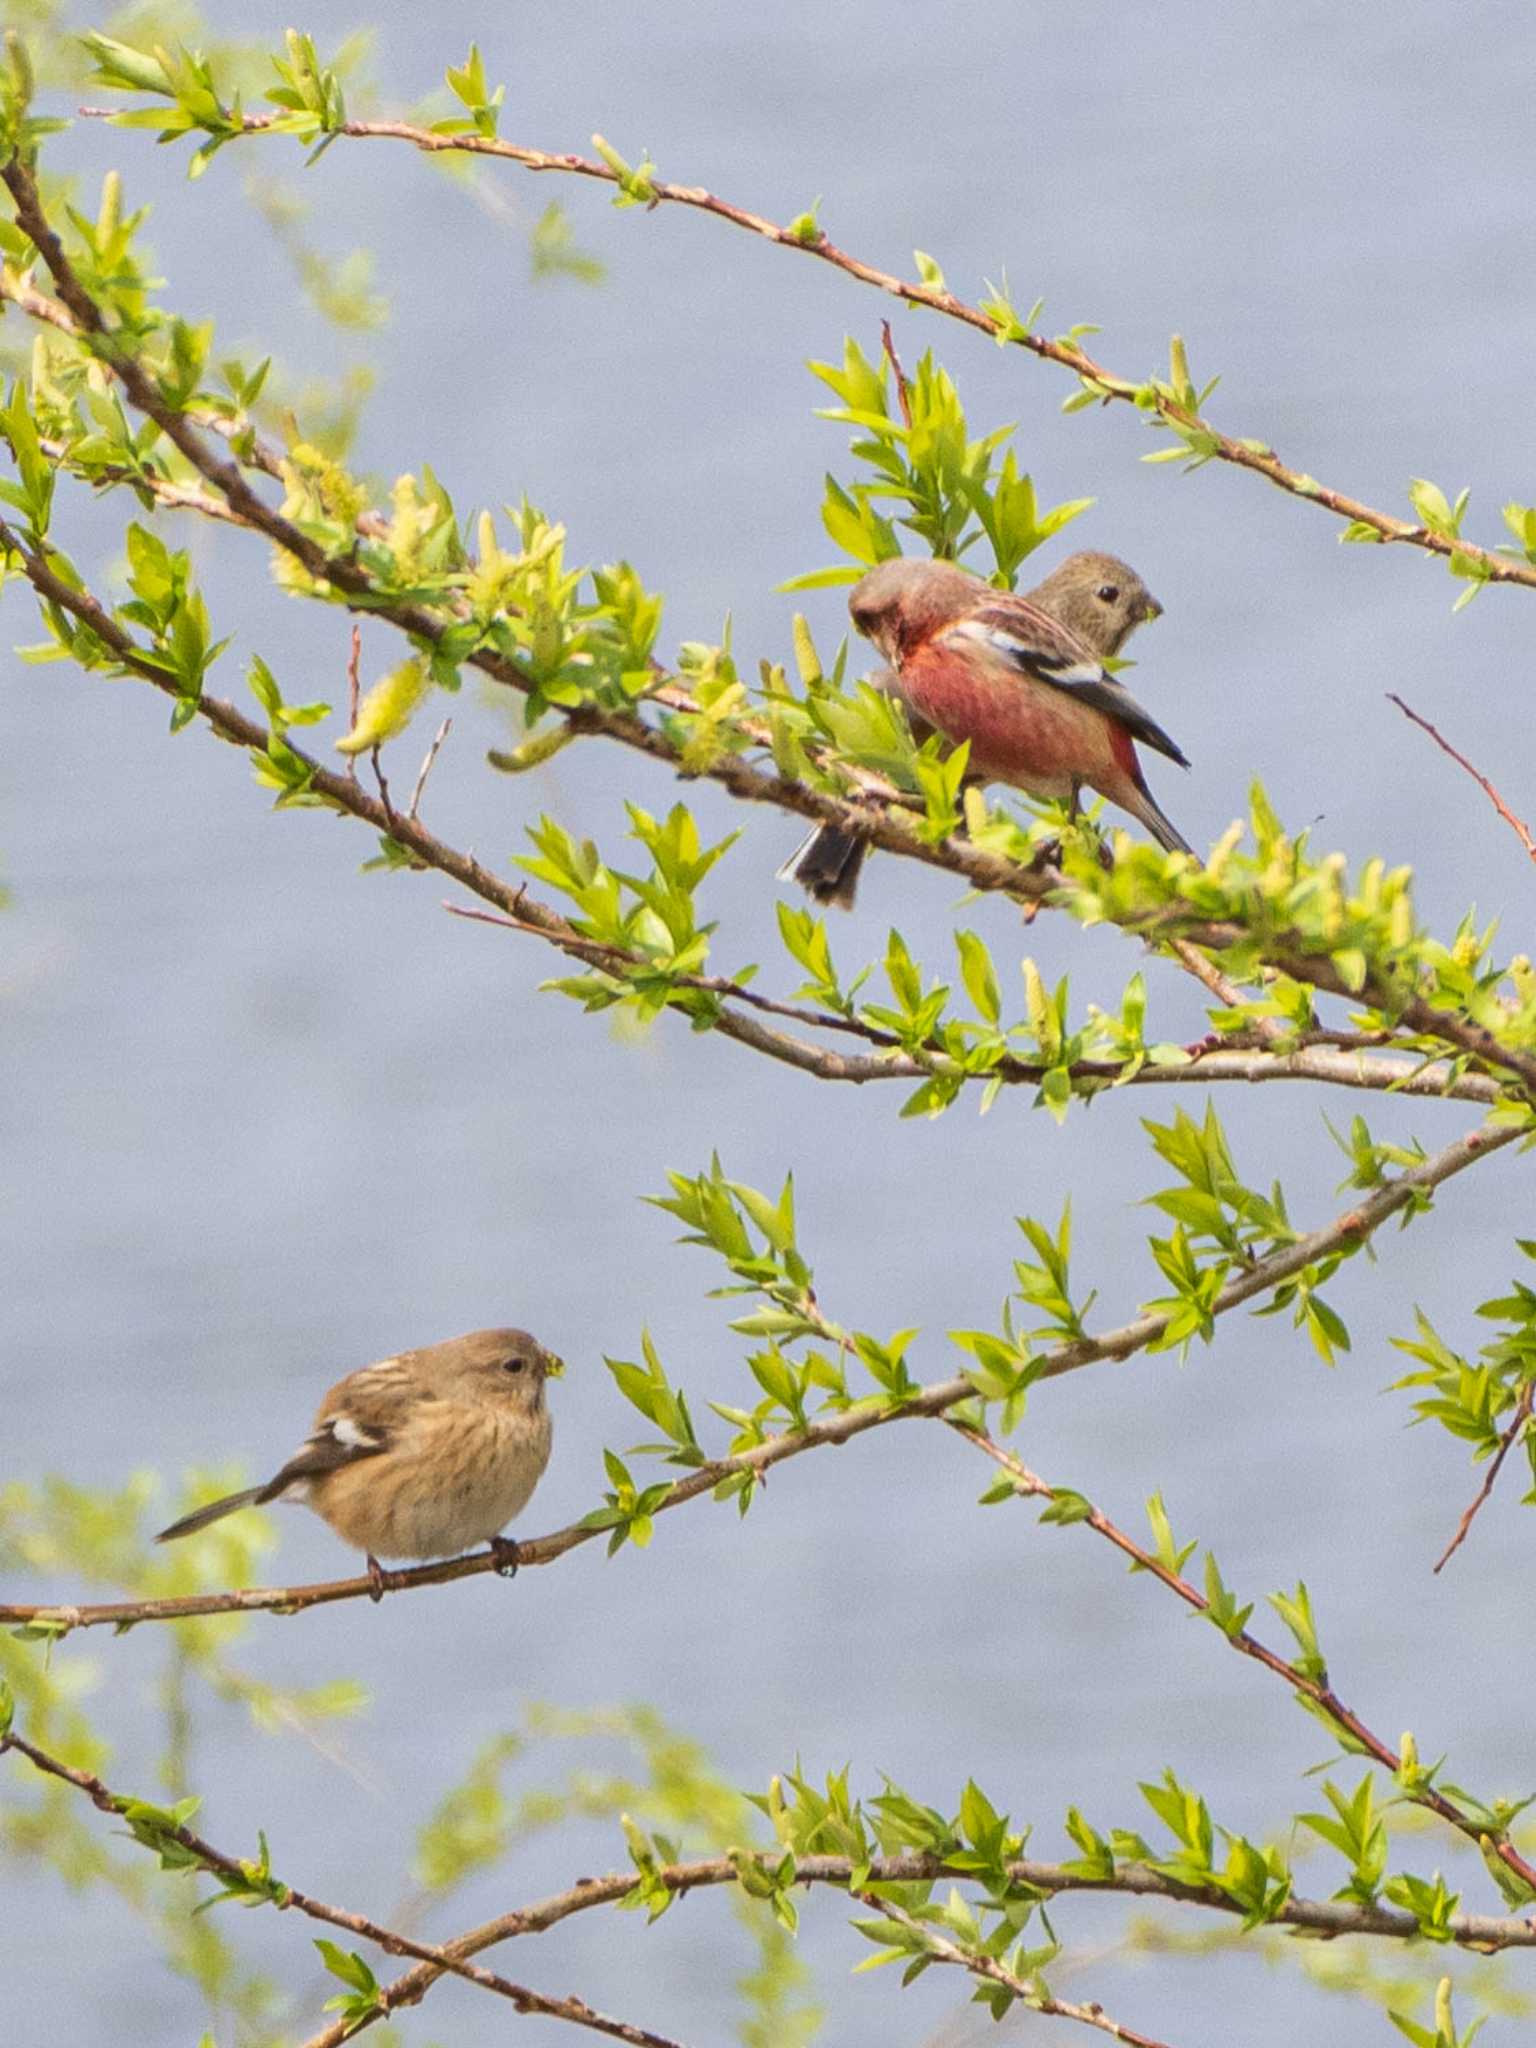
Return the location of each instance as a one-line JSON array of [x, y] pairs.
[[554, 1368], [1151, 609]]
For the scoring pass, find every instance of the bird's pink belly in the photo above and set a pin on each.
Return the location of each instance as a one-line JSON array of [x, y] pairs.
[[1028, 734]]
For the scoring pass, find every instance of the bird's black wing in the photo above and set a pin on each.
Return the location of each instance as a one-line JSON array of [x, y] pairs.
[[1038, 647]]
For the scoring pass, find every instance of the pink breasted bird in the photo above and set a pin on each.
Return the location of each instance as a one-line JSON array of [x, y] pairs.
[[1021, 678]]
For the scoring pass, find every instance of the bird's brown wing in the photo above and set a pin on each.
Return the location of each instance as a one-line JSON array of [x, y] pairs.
[[338, 1441], [1041, 647], [359, 1418]]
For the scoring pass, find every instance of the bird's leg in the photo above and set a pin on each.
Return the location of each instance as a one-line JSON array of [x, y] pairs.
[[507, 1555], [377, 1579], [1105, 858], [1047, 855]]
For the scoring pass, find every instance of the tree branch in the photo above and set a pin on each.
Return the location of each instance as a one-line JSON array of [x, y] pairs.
[[1414, 1012], [252, 1882], [1240, 452], [1270, 1030], [1333, 1919], [522, 912], [1315, 1689], [1345, 1232], [1030, 1995], [1320, 1057]]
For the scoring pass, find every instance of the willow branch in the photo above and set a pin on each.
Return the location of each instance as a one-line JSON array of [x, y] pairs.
[[1344, 1233], [1029, 1994], [1414, 1013], [518, 907], [346, 793], [18, 288], [522, 912], [989, 872], [431, 1961], [1331, 1919], [890, 827], [1333, 1057], [1316, 1690], [225, 474], [166, 491], [1271, 1030], [1241, 452], [879, 818], [1254, 456], [239, 1877]]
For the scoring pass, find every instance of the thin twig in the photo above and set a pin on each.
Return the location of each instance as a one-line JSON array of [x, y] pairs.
[[375, 755], [1414, 1013], [903, 391], [427, 765], [1245, 453], [1226, 991], [621, 965], [238, 1874], [354, 691], [175, 497], [1521, 1417], [1521, 830]]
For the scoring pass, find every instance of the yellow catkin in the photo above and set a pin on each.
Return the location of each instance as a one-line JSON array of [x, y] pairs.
[[388, 707], [807, 660], [533, 752]]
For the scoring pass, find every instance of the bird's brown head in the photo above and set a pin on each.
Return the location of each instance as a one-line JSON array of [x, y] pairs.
[[495, 1365], [903, 602], [1099, 598]]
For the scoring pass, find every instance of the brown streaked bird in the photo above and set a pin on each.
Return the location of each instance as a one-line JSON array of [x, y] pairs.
[[422, 1455], [1021, 677]]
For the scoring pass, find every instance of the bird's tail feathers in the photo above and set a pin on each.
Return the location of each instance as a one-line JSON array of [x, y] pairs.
[[1164, 831], [826, 864], [215, 1511]]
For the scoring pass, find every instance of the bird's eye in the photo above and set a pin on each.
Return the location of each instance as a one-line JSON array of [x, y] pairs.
[[1107, 593], [512, 1364]]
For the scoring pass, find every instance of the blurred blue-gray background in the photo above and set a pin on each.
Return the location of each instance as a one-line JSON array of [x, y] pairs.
[[265, 1118]]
